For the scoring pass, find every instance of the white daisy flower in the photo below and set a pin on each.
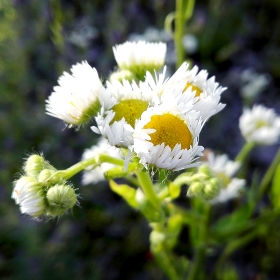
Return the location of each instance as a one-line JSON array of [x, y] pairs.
[[92, 176], [225, 170], [77, 98], [206, 91], [125, 105], [139, 57], [260, 125], [28, 193], [166, 138]]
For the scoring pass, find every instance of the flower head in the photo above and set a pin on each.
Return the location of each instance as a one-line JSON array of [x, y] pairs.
[[166, 138], [139, 57], [77, 98], [260, 125], [125, 106]]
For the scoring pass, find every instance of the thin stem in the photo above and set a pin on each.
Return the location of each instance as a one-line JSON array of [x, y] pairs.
[[147, 187], [245, 152], [202, 241], [269, 174], [179, 32]]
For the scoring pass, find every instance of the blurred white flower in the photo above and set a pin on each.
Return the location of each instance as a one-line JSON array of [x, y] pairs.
[[190, 43], [225, 170], [260, 125], [92, 176], [253, 83]]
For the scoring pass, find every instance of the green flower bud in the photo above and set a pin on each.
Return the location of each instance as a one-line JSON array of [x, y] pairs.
[[34, 165], [28, 193], [60, 198], [196, 188], [212, 189], [44, 176], [205, 170]]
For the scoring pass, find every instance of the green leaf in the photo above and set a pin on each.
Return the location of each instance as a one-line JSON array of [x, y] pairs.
[[275, 190], [126, 192], [232, 224]]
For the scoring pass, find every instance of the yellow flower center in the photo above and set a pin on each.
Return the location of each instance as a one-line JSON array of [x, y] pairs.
[[170, 130], [130, 109], [261, 123], [193, 88]]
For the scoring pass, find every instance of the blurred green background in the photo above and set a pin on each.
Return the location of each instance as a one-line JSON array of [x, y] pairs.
[[104, 238]]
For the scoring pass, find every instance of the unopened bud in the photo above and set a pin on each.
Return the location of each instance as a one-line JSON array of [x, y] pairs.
[[212, 189], [44, 176], [34, 165], [60, 198], [196, 189]]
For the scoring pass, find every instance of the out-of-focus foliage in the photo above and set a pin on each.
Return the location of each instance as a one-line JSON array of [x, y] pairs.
[[104, 238]]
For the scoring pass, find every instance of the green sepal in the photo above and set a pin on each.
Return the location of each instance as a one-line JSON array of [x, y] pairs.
[[126, 192]]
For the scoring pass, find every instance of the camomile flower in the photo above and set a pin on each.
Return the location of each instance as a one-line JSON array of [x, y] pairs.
[[166, 138], [78, 96], [139, 57], [225, 169], [125, 105], [207, 92], [260, 125], [92, 176]]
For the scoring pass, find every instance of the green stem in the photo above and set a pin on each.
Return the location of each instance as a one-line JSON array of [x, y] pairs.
[[82, 165], [148, 188], [179, 32], [245, 152], [201, 244], [268, 175]]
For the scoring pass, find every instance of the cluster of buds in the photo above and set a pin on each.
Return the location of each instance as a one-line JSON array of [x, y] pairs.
[[39, 193], [205, 184]]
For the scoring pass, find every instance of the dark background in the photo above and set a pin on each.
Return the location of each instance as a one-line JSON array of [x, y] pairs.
[[104, 238]]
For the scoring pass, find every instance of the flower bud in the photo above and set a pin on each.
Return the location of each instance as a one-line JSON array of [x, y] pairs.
[[60, 198], [44, 175], [28, 193], [34, 165], [212, 189], [196, 188]]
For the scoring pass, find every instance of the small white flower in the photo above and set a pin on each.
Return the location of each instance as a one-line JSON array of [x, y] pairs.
[[260, 125], [166, 138], [77, 98], [95, 175], [207, 91], [125, 105], [225, 170], [28, 193], [139, 57]]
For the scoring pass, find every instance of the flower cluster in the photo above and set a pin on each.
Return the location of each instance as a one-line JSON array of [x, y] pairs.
[[39, 196], [157, 118], [144, 117]]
